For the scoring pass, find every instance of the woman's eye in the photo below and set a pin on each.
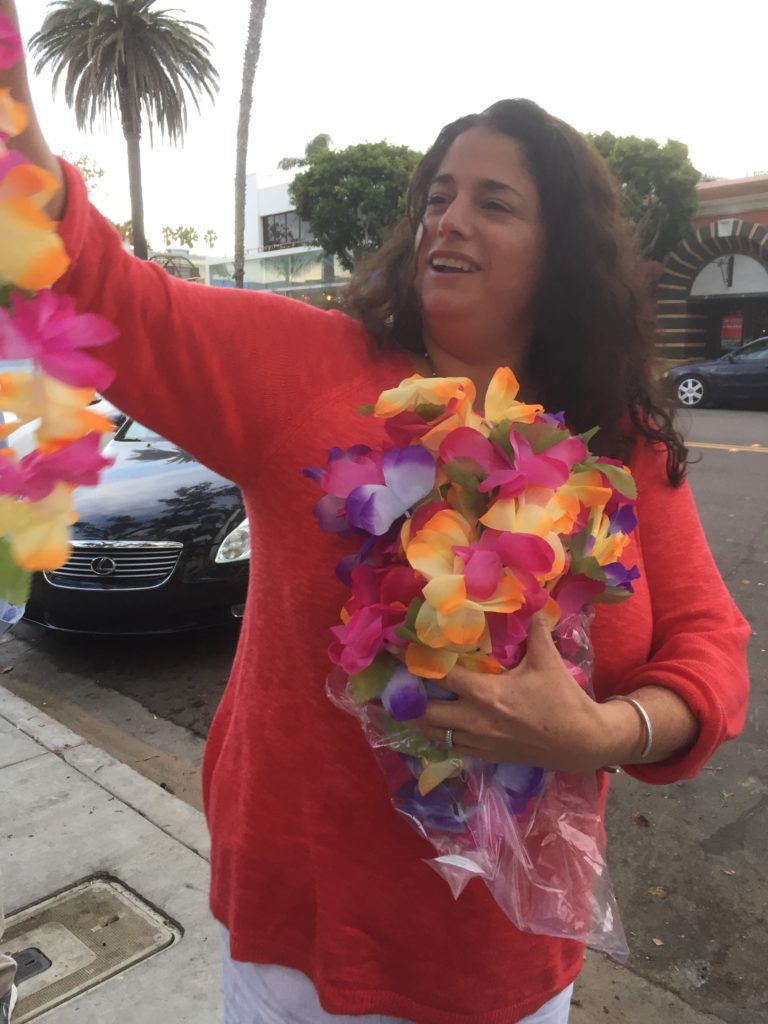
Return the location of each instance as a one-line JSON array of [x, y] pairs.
[[436, 200], [494, 204]]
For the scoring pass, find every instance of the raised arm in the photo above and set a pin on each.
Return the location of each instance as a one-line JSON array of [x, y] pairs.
[[31, 142], [209, 368]]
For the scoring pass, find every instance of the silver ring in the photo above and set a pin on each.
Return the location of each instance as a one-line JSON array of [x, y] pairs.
[[449, 737]]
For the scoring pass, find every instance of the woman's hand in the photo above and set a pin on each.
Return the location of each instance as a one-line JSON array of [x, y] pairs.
[[535, 714], [30, 142]]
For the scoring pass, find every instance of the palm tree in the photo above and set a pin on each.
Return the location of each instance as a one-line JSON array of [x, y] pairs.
[[250, 60], [124, 56]]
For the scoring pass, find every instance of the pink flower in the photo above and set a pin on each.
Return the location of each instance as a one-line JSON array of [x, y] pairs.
[[47, 329], [37, 475], [379, 604], [10, 43]]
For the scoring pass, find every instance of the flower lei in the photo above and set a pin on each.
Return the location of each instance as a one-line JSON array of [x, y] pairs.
[[469, 524], [36, 324]]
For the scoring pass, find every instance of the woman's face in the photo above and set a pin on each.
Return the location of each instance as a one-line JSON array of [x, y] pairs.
[[481, 251]]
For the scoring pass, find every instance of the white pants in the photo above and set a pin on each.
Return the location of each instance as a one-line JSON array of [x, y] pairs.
[[270, 994]]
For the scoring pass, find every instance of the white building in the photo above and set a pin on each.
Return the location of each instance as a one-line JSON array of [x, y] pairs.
[[280, 254]]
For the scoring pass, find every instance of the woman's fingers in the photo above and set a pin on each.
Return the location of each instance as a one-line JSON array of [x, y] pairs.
[[541, 645], [462, 744], [467, 683]]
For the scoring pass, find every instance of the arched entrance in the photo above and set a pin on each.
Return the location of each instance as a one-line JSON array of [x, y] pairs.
[[713, 291]]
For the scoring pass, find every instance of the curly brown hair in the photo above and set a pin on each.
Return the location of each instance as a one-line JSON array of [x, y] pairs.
[[592, 352]]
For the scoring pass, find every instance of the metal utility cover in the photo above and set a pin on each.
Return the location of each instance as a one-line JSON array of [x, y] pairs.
[[89, 933]]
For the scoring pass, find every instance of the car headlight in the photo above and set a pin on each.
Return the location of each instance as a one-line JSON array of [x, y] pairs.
[[236, 546]]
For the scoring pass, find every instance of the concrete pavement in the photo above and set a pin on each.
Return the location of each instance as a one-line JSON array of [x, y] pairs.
[[70, 811]]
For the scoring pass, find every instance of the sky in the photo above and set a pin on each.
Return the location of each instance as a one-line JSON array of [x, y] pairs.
[[363, 71]]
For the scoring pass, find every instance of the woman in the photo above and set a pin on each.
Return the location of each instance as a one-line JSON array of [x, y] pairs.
[[513, 255]]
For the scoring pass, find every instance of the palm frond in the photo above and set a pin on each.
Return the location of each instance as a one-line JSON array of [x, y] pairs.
[[126, 58]]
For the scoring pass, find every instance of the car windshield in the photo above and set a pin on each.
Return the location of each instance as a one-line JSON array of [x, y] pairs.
[[133, 431]]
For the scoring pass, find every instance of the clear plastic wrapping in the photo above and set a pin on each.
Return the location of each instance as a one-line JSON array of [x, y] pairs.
[[536, 838]]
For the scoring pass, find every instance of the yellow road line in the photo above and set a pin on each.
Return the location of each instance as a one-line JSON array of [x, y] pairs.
[[728, 447]]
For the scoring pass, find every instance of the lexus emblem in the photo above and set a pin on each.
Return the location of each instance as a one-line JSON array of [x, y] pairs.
[[103, 566]]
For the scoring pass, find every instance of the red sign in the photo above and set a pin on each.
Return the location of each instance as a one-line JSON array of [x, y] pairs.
[[732, 328]]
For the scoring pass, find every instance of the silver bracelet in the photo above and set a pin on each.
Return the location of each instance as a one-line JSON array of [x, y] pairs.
[[646, 720]]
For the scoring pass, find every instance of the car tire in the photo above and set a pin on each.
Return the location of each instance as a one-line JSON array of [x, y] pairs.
[[691, 391]]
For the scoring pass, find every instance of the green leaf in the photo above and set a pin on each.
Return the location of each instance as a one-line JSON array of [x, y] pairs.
[[539, 436], [408, 629], [413, 611], [589, 463], [465, 472], [611, 596], [15, 583], [472, 504], [467, 476], [500, 437], [406, 634], [588, 566], [429, 411], [577, 544], [587, 436], [619, 478], [371, 681], [406, 739]]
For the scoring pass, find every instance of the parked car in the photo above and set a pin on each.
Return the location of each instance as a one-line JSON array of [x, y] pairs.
[[162, 545], [738, 376]]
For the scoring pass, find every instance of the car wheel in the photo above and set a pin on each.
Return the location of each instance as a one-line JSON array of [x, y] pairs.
[[691, 391]]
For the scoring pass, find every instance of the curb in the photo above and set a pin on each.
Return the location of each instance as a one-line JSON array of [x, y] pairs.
[[167, 812]]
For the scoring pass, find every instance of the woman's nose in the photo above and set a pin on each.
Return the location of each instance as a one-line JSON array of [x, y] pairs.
[[456, 219]]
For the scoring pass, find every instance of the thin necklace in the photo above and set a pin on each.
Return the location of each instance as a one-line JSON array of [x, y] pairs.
[[428, 360]]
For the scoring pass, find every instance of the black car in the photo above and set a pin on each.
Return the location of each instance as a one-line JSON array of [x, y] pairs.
[[738, 376], [162, 545]]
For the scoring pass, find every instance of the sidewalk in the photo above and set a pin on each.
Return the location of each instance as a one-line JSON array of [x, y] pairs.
[[70, 811]]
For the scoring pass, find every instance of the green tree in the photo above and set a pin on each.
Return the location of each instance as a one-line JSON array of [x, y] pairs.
[[351, 196], [210, 238], [125, 230], [313, 149], [658, 185], [124, 56], [184, 234], [250, 61], [92, 173]]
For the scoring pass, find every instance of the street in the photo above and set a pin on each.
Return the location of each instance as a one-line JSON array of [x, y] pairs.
[[688, 860]]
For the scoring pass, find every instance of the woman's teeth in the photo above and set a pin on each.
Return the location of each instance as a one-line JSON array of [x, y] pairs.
[[444, 264]]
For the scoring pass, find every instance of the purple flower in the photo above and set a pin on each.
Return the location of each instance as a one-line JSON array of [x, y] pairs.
[[404, 696], [556, 419], [437, 810], [617, 575], [518, 782], [623, 520], [409, 476]]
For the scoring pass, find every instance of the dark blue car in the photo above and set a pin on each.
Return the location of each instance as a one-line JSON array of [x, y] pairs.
[[740, 376]]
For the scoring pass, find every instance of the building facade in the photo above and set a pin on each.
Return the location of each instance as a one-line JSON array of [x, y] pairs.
[[280, 253], [712, 294]]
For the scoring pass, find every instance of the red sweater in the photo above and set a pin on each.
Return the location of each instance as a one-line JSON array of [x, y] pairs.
[[311, 867]]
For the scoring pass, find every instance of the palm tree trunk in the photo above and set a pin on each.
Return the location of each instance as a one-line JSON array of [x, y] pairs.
[[133, 141], [251, 59]]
